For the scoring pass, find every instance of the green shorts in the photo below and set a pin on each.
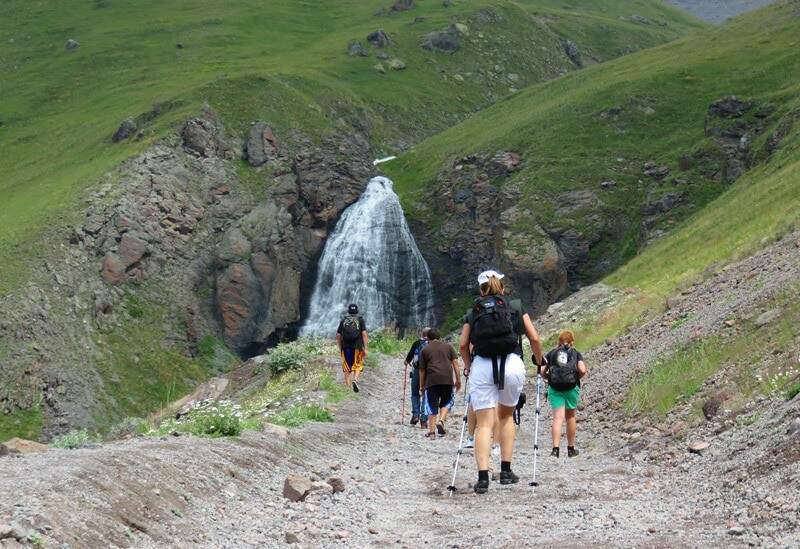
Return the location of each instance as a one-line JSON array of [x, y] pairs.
[[560, 399]]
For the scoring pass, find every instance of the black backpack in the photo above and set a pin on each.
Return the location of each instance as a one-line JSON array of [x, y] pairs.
[[494, 330], [564, 369], [351, 331]]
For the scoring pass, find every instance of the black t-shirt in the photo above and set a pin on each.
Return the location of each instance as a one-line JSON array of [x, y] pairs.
[[413, 352], [550, 357], [362, 327], [516, 305]]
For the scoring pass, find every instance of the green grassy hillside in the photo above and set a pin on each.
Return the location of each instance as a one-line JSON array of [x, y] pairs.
[[281, 60], [606, 122]]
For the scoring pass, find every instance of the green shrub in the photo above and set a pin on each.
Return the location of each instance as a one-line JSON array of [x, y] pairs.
[[388, 343], [297, 415], [208, 418], [793, 391], [293, 355], [72, 440]]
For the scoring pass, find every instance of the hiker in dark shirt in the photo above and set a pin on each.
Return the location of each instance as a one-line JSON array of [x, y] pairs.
[[438, 369], [351, 335], [418, 414]]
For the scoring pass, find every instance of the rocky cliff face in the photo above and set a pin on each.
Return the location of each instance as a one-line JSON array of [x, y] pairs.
[[477, 225], [175, 228]]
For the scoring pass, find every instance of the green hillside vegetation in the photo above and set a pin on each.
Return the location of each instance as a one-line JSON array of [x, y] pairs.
[[283, 61], [606, 122]]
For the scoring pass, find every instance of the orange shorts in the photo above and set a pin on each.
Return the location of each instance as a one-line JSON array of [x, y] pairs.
[[352, 360]]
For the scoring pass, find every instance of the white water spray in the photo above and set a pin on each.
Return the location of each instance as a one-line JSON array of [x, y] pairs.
[[371, 259]]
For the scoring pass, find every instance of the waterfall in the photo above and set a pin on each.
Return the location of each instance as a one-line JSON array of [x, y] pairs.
[[371, 259]]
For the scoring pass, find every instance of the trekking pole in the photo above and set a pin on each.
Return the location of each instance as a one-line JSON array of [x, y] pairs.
[[405, 385], [536, 429], [452, 487]]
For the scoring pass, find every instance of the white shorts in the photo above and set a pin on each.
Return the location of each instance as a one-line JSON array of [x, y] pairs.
[[483, 393]]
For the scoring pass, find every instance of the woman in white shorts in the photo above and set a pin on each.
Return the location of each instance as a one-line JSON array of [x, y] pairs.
[[491, 402]]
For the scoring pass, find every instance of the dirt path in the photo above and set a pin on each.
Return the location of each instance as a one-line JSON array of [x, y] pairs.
[[187, 492]]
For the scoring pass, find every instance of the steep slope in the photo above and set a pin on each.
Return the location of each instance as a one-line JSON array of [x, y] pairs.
[[585, 170], [137, 249], [285, 62]]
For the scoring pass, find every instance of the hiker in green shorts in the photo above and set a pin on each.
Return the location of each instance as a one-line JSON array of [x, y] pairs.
[[564, 367]]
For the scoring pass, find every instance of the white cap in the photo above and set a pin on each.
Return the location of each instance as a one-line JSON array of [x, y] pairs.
[[484, 277]]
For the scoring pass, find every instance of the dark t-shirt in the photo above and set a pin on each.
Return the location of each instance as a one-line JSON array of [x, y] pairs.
[[550, 358], [412, 353], [362, 327], [516, 306], [437, 360]]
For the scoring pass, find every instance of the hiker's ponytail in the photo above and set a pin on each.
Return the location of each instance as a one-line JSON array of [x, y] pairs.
[[494, 286]]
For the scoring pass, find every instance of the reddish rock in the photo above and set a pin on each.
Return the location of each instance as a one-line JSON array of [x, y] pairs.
[[131, 249], [296, 488], [113, 269], [337, 484], [21, 446], [238, 297]]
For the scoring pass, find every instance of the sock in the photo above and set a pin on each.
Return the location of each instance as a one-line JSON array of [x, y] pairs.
[[505, 466], [483, 475]]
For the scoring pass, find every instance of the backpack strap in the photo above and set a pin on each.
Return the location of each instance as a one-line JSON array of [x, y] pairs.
[[499, 371]]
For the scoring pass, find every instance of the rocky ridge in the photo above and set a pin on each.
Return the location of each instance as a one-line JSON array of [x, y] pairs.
[[175, 226]]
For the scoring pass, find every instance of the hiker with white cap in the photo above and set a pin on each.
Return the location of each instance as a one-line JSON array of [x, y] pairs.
[[495, 326]]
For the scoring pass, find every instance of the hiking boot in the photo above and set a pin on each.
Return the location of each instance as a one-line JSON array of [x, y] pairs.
[[481, 487], [508, 477], [440, 428], [555, 452], [572, 452], [470, 443], [355, 387], [414, 420]]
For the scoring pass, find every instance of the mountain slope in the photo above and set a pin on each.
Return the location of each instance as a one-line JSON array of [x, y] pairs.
[[609, 158], [128, 269], [282, 61]]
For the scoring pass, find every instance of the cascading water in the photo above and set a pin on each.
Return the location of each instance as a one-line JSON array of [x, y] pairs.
[[371, 259]]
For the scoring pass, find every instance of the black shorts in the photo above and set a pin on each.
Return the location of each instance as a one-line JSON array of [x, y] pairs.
[[439, 396]]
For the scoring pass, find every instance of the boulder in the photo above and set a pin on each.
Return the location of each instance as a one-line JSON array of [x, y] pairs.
[[380, 68], [131, 250], [445, 41], [794, 427], [403, 5], [610, 184], [296, 488], [503, 163], [234, 247], [72, 45], [125, 130], [17, 446], [200, 137], [356, 49], [113, 269], [397, 64], [337, 484], [697, 446], [320, 486], [573, 52], [276, 431], [768, 317], [663, 204], [261, 145], [656, 172], [378, 39], [729, 107]]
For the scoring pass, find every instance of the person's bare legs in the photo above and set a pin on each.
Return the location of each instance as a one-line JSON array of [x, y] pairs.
[[496, 432], [572, 427], [558, 420], [347, 379], [472, 421], [485, 419], [507, 431]]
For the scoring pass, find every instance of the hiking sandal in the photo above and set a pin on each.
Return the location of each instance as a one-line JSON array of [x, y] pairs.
[[440, 428]]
